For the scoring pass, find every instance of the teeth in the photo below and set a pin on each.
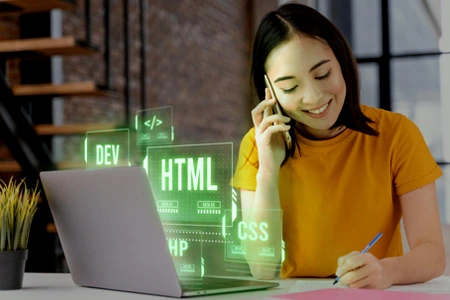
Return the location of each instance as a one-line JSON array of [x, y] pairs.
[[318, 111]]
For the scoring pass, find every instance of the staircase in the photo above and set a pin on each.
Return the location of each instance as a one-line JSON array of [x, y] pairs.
[[85, 88], [36, 48], [45, 46], [29, 6], [25, 145]]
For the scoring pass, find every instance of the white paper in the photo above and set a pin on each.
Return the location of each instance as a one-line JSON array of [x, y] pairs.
[[440, 285], [305, 285]]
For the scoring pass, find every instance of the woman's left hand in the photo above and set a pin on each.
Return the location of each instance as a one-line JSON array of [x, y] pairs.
[[362, 271]]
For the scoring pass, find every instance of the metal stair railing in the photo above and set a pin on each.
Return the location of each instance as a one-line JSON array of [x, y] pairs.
[[19, 135]]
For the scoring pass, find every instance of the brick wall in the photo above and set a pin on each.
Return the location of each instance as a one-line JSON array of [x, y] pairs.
[[198, 59]]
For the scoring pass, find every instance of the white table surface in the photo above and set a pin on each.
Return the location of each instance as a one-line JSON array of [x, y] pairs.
[[40, 286], [47, 286]]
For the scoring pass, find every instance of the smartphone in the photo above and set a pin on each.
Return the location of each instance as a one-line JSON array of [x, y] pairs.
[[277, 110]]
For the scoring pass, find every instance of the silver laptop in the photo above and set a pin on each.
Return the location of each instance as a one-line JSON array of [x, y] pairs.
[[112, 236]]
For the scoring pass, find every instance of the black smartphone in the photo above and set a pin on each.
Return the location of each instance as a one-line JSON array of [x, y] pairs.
[[277, 110]]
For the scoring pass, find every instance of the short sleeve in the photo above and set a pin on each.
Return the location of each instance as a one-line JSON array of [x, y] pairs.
[[413, 165], [247, 164]]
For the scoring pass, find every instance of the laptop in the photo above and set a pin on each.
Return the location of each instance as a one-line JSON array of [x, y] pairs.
[[113, 238]]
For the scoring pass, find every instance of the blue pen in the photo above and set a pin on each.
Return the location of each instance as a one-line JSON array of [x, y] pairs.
[[375, 239]]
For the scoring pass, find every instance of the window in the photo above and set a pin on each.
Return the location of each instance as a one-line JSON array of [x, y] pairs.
[[369, 84], [416, 93], [403, 52]]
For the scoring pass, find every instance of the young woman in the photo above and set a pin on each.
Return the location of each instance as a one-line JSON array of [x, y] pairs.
[[353, 170]]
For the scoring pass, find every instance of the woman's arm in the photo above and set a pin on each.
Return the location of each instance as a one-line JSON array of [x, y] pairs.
[[425, 261], [263, 205]]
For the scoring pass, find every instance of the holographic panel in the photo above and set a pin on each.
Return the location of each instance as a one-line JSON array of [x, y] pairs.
[[154, 126], [185, 246], [107, 148], [241, 236], [191, 183]]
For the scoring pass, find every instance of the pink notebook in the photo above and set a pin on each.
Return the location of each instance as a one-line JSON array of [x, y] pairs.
[[366, 294]]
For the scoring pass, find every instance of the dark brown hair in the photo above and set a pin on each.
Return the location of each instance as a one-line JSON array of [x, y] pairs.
[[281, 25]]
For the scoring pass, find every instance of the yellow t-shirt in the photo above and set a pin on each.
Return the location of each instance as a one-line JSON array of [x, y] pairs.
[[339, 193]]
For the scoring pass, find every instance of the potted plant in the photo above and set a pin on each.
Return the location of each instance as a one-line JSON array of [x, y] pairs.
[[17, 208]]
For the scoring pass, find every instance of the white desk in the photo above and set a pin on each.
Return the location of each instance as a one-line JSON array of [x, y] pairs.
[[60, 286]]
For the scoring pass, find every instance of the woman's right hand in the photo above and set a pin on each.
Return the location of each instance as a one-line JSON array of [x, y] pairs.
[[268, 134]]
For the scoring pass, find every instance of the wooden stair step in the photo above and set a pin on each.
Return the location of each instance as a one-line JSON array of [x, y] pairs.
[[72, 129], [29, 6], [67, 165], [51, 228], [5, 154], [12, 166], [47, 46], [86, 88]]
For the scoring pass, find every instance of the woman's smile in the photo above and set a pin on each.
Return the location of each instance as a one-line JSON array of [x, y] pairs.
[[318, 112]]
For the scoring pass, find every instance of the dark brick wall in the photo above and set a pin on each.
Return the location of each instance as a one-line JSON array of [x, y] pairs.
[[198, 61], [198, 58]]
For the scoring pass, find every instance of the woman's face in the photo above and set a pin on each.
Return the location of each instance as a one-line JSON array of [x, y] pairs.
[[308, 82]]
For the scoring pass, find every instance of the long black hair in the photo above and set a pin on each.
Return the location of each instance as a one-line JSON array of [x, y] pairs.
[[289, 20]]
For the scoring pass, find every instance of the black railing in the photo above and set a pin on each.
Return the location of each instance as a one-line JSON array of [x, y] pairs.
[[87, 20], [143, 52], [126, 46], [19, 134], [385, 65], [107, 50], [126, 60]]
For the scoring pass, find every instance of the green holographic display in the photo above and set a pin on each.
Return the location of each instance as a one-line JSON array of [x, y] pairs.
[[191, 183], [154, 126], [107, 148], [185, 246], [242, 235]]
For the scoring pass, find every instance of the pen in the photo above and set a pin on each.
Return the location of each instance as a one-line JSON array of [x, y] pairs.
[[375, 239]]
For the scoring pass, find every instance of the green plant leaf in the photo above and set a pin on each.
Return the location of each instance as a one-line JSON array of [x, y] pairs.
[[17, 208], [4, 232]]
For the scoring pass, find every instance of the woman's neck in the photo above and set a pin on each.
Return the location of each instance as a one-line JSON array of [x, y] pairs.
[[318, 134]]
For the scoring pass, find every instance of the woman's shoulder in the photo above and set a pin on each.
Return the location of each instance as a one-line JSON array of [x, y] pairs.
[[248, 141], [249, 135], [384, 119], [391, 124]]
